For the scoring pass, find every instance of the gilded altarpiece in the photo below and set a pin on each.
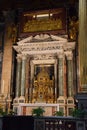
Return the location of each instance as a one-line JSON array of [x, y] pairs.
[[43, 83], [43, 41], [51, 21]]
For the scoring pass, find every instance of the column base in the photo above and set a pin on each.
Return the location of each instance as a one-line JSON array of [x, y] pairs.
[[62, 104], [61, 100], [70, 105], [22, 99], [70, 100], [16, 100]]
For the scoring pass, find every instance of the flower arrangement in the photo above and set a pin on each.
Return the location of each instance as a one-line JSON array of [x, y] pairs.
[[58, 113], [38, 111], [78, 113]]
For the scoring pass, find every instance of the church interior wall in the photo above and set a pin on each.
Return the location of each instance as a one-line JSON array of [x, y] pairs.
[[9, 64]]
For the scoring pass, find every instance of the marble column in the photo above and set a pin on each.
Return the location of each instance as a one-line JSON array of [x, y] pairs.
[[18, 76], [27, 79], [23, 68], [61, 74], [70, 75], [83, 44], [31, 81], [56, 89]]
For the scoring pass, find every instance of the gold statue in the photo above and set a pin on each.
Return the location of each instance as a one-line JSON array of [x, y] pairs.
[[43, 87]]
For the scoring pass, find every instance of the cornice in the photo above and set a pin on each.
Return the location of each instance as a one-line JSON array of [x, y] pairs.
[[55, 45]]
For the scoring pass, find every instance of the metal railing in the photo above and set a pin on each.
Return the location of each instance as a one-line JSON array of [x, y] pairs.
[[59, 123]]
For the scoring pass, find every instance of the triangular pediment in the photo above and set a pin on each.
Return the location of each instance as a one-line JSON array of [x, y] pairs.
[[42, 38], [43, 44]]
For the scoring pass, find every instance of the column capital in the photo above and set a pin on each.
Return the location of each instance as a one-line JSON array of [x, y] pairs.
[[18, 57], [60, 55], [69, 55], [24, 56]]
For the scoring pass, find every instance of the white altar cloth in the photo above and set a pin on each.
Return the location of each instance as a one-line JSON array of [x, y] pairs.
[[26, 108]]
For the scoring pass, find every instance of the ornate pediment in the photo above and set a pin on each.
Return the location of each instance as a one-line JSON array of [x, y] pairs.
[[42, 38], [44, 44]]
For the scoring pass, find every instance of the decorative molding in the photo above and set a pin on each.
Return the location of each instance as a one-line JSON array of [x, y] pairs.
[[59, 38], [69, 55], [60, 55], [44, 57], [56, 44], [34, 62], [42, 37], [24, 56]]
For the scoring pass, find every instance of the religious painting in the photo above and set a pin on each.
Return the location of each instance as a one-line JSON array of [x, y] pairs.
[[43, 83], [42, 21]]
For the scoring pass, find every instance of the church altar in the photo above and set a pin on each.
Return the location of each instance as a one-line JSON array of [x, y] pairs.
[[26, 108]]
